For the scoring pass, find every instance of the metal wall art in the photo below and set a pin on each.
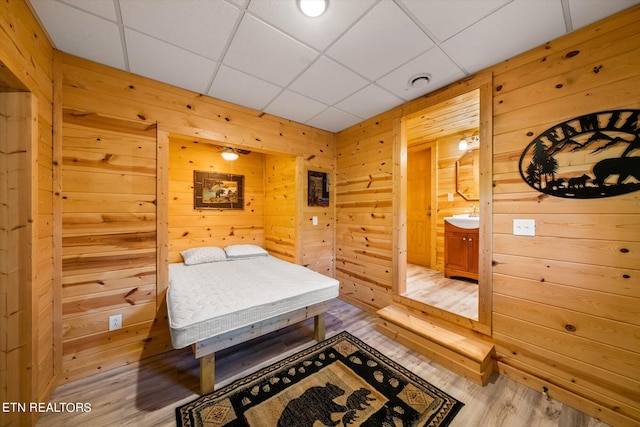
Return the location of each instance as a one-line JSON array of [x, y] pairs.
[[212, 190], [592, 156]]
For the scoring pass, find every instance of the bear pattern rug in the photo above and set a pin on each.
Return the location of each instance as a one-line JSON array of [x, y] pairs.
[[338, 382]]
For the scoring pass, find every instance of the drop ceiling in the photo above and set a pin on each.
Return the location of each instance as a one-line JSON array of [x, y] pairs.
[[330, 72]]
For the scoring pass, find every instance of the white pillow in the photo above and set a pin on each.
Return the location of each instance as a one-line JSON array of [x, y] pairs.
[[204, 254], [244, 251]]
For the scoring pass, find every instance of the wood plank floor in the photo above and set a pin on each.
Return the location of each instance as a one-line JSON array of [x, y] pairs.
[[147, 393], [431, 287]]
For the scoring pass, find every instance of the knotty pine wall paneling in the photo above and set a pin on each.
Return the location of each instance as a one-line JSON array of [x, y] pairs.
[[26, 65], [281, 206], [565, 302], [555, 327], [189, 227], [101, 100], [364, 213], [108, 243], [18, 297], [316, 237]]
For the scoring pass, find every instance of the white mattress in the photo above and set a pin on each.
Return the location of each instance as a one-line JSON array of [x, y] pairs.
[[205, 300]]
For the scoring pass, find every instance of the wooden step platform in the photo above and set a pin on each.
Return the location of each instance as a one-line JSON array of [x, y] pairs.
[[457, 349]]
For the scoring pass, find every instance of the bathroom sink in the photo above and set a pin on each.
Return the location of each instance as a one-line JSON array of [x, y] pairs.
[[464, 221]]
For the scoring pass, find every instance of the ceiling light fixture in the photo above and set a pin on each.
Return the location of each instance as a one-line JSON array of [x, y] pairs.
[[312, 8], [229, 154], [419, 81]]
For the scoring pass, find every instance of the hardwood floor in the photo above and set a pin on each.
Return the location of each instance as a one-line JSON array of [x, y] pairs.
[[431, 287], [147, 393]]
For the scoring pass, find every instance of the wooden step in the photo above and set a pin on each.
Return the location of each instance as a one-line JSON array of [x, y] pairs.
[[457, 349]]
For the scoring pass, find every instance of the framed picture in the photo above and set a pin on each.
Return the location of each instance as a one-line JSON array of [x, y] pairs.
[[318, 189], [213, 190]]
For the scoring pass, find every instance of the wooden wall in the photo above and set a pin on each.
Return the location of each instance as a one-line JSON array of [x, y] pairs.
[[316, 239], [565, 302], [19, 321], [290, 233], [364, 212], [101, 102], [26, 64], [572, 273], [282, 204], [273, 201], [108, 242], [189, 227]]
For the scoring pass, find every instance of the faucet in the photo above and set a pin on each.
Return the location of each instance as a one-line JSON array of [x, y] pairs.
[[474, 211]]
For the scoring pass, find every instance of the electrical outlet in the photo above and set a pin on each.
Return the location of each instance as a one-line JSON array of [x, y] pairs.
[[314, 220], [524, 227], [115, 322]]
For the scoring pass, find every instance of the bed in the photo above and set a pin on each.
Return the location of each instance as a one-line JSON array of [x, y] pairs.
[[218, 298]]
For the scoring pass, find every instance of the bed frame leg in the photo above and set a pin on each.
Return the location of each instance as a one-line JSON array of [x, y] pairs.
[[318, 323], [207, 373]]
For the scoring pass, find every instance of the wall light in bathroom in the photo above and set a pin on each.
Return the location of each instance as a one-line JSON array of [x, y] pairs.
[[462, 145]]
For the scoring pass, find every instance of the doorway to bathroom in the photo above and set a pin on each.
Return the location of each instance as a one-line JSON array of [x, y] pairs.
[[435, 182], [433, 151]]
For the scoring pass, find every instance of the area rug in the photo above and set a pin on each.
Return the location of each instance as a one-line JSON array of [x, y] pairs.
[[338, 382]]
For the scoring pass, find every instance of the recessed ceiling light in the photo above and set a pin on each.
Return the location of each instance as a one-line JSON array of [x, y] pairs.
[[419, 81], [312, 8]]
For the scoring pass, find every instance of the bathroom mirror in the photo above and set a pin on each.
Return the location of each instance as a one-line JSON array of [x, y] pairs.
[[468, 175]]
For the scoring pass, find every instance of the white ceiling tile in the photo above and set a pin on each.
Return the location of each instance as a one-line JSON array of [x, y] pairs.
[[434, 62], [240, 3], [294, 107], [318, 32], [585, 12], [519, 26], [384, 38], [242, 89], [444, 18], [81, 34], [369, 101], [263, 51], [160, 61], [102, 8], [333, 120], [328, 82], [200, 26]]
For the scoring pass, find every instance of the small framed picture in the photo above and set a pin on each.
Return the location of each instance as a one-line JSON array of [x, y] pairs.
[[213, 190], [318, 188]]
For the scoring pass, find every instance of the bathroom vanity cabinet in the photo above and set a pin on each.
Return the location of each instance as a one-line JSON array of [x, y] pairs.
[[461, 251]]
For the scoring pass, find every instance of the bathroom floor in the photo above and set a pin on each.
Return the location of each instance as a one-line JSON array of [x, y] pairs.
[[459, 296]]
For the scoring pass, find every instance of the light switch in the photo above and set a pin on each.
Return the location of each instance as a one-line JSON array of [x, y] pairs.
[[314, 220], [524, 227], [449, 197]]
